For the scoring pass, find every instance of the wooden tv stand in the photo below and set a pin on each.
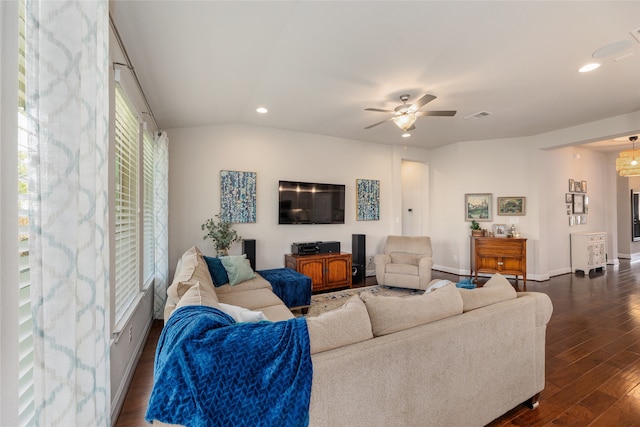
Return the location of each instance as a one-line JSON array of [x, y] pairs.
[[504, 255], [327, 271]]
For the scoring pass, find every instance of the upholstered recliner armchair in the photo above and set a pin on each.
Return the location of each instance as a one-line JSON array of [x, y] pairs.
[[405, 263]]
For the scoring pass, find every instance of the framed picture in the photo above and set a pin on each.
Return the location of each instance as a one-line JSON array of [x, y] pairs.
[[511, 206], [568, 198], [578, 204], [500, 230], [238, 196], [583, 186], [586, 204], [367, 200], [570, 208], [477, 206], [577, 187], [571, 186]]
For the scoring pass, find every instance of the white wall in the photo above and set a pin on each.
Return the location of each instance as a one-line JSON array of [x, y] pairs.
[[197, 155], [531, 167]]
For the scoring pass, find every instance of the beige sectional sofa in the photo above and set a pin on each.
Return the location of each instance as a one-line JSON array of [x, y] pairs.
[[451, 357]]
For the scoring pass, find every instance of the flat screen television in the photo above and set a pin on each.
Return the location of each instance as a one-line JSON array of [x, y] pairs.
[[310, 203]]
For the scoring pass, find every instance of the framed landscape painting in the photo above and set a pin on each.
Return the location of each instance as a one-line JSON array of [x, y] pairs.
[[511, 206], [477, 206]]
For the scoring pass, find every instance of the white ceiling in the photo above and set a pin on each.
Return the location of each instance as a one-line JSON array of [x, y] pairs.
[[316, 65]]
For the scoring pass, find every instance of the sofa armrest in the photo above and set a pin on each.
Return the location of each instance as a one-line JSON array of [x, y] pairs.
[[544, 307], [424, 271], [381, 261]]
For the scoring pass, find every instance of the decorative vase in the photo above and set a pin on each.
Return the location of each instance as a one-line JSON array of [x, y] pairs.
[[223, 252]]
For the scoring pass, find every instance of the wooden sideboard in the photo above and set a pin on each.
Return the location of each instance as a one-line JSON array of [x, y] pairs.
[[504, 255], [327, 271]]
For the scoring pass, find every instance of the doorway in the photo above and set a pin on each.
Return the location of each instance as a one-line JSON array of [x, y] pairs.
[[415, 195]]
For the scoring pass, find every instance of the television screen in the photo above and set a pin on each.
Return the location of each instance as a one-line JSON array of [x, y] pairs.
[[310, 203]]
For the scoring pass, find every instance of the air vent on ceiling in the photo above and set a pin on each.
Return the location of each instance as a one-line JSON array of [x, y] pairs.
[[636, 33], [480, 115]]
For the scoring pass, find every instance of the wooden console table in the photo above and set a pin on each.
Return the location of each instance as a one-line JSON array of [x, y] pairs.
[[504, 255], [327, 271]]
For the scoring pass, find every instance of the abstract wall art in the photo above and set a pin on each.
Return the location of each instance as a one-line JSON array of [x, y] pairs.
[[238, 196], [367, 200]]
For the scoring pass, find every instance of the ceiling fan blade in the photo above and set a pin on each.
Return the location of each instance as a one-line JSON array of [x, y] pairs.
[[444, 113], [378, 110], [422, 102], [379, 123]]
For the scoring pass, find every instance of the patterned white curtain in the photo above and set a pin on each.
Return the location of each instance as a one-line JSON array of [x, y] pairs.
[[161, 227], [67, 106]]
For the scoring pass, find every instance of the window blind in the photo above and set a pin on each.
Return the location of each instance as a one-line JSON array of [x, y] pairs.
[[127, 134]]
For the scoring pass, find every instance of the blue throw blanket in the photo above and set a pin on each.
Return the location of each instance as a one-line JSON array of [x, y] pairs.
[[210, 371]]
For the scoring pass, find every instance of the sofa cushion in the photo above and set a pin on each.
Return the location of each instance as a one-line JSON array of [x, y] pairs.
[[196, 293], [496, 289], [257, 282], [277, 312], [392, 314], [192, 268], [253, 300], [238, 269], [241, 314], [404, 258], [336, 328], [405, 269], [217, 271]]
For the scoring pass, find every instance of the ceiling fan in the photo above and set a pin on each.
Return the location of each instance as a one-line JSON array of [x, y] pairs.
[[405, 115]]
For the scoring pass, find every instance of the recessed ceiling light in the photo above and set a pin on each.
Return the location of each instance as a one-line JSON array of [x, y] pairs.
[[262, 110], [406, 135], [589, 67]]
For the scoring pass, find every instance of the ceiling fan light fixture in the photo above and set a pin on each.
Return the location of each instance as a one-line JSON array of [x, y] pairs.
[[406, 135], [405, 121]]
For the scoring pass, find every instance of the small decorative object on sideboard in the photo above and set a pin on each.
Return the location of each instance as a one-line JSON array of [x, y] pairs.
[[476, 231], [221, 233]]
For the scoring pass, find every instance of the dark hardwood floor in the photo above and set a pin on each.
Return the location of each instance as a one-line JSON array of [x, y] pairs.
[[592, 357]]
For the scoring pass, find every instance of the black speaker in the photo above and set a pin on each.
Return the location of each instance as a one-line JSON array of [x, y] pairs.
[[358, 249], [357, 273], [249, 248]]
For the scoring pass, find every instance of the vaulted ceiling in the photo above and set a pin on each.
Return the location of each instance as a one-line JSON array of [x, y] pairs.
[[316, 65]]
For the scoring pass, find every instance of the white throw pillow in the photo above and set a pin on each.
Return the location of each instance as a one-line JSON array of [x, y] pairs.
[[435, 284], [241, 314]]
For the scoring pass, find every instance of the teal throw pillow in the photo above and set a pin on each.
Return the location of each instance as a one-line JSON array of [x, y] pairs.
[[238, 268], [217, 271]]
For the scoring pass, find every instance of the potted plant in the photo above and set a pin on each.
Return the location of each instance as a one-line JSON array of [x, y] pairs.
[[221, 233], [476, 231]]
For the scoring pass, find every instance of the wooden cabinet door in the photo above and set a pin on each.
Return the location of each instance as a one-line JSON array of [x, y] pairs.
[[500, 255], [338, 272], [313, 268]]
